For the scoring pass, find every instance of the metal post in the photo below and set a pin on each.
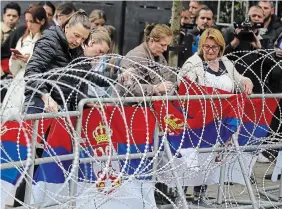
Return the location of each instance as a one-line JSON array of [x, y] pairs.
[[244, 173], [172, 98], [247, 8], [178, 185], [218, 12], [221, 182], [232, 12], [280, 189], [28, 187], [276, 7], [156, 146], [74, 179]]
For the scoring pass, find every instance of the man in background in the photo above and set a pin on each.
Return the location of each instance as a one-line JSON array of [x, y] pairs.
[[189, 37], [195, 7], [204, 20], [186, 17], [11, 16], [272, 24]]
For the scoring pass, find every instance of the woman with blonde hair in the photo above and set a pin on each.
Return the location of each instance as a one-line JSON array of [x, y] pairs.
[[97, 46], [159, 79], [97, 18], [114, 39], [208, 67]]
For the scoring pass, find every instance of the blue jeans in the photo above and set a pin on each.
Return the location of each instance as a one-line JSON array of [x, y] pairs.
[[34, 105]]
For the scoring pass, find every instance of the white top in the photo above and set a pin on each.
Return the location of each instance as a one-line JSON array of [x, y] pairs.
[[25, 46], [222, 82], [194, 69]]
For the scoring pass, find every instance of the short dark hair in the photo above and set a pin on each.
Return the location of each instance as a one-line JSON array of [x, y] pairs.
[[66, 8], [49, 4], [201, 2], [13, 5], [270, 2], [205, 8]]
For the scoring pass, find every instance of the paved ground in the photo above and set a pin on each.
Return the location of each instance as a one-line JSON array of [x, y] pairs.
[[238, 192]]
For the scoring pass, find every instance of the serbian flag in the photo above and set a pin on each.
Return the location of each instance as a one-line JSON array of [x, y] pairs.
[[257, 113], [199, 123], [215, 124], [50, 183], [257, 117], [15, 138], [118, 130], [110, 132]]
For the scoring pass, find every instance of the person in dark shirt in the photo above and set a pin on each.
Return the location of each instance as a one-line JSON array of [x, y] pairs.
[[248, 54], [272, 24]]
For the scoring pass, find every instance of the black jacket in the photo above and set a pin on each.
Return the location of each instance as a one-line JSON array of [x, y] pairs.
[[247, 61], [52, 52], [11, 41], [187, 38], [274, 28]]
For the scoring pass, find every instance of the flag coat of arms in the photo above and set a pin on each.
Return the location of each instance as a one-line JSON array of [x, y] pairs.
[[109, 133]]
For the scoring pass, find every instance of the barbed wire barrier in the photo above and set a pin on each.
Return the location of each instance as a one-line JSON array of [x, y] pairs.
[[114, 150]]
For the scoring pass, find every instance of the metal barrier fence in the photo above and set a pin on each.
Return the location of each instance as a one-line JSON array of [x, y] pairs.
[[76, 158]]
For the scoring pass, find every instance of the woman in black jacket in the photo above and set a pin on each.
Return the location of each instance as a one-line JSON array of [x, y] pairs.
[[49, 84]]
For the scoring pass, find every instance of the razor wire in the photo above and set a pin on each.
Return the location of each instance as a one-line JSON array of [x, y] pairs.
[[105, 182]]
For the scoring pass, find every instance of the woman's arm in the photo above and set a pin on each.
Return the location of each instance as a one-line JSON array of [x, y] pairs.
[[187, 71], [43, 53], [16, 64]]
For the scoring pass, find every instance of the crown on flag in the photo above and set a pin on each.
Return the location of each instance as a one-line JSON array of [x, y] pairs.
[[102, 133]]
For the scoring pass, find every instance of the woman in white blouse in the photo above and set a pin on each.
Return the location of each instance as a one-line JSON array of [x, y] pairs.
[[36, 21], [208, 67]]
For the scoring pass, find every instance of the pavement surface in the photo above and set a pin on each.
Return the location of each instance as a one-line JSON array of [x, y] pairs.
[[236, 192]]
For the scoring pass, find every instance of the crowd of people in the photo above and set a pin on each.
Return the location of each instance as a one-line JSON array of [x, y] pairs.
[[53, 37]]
